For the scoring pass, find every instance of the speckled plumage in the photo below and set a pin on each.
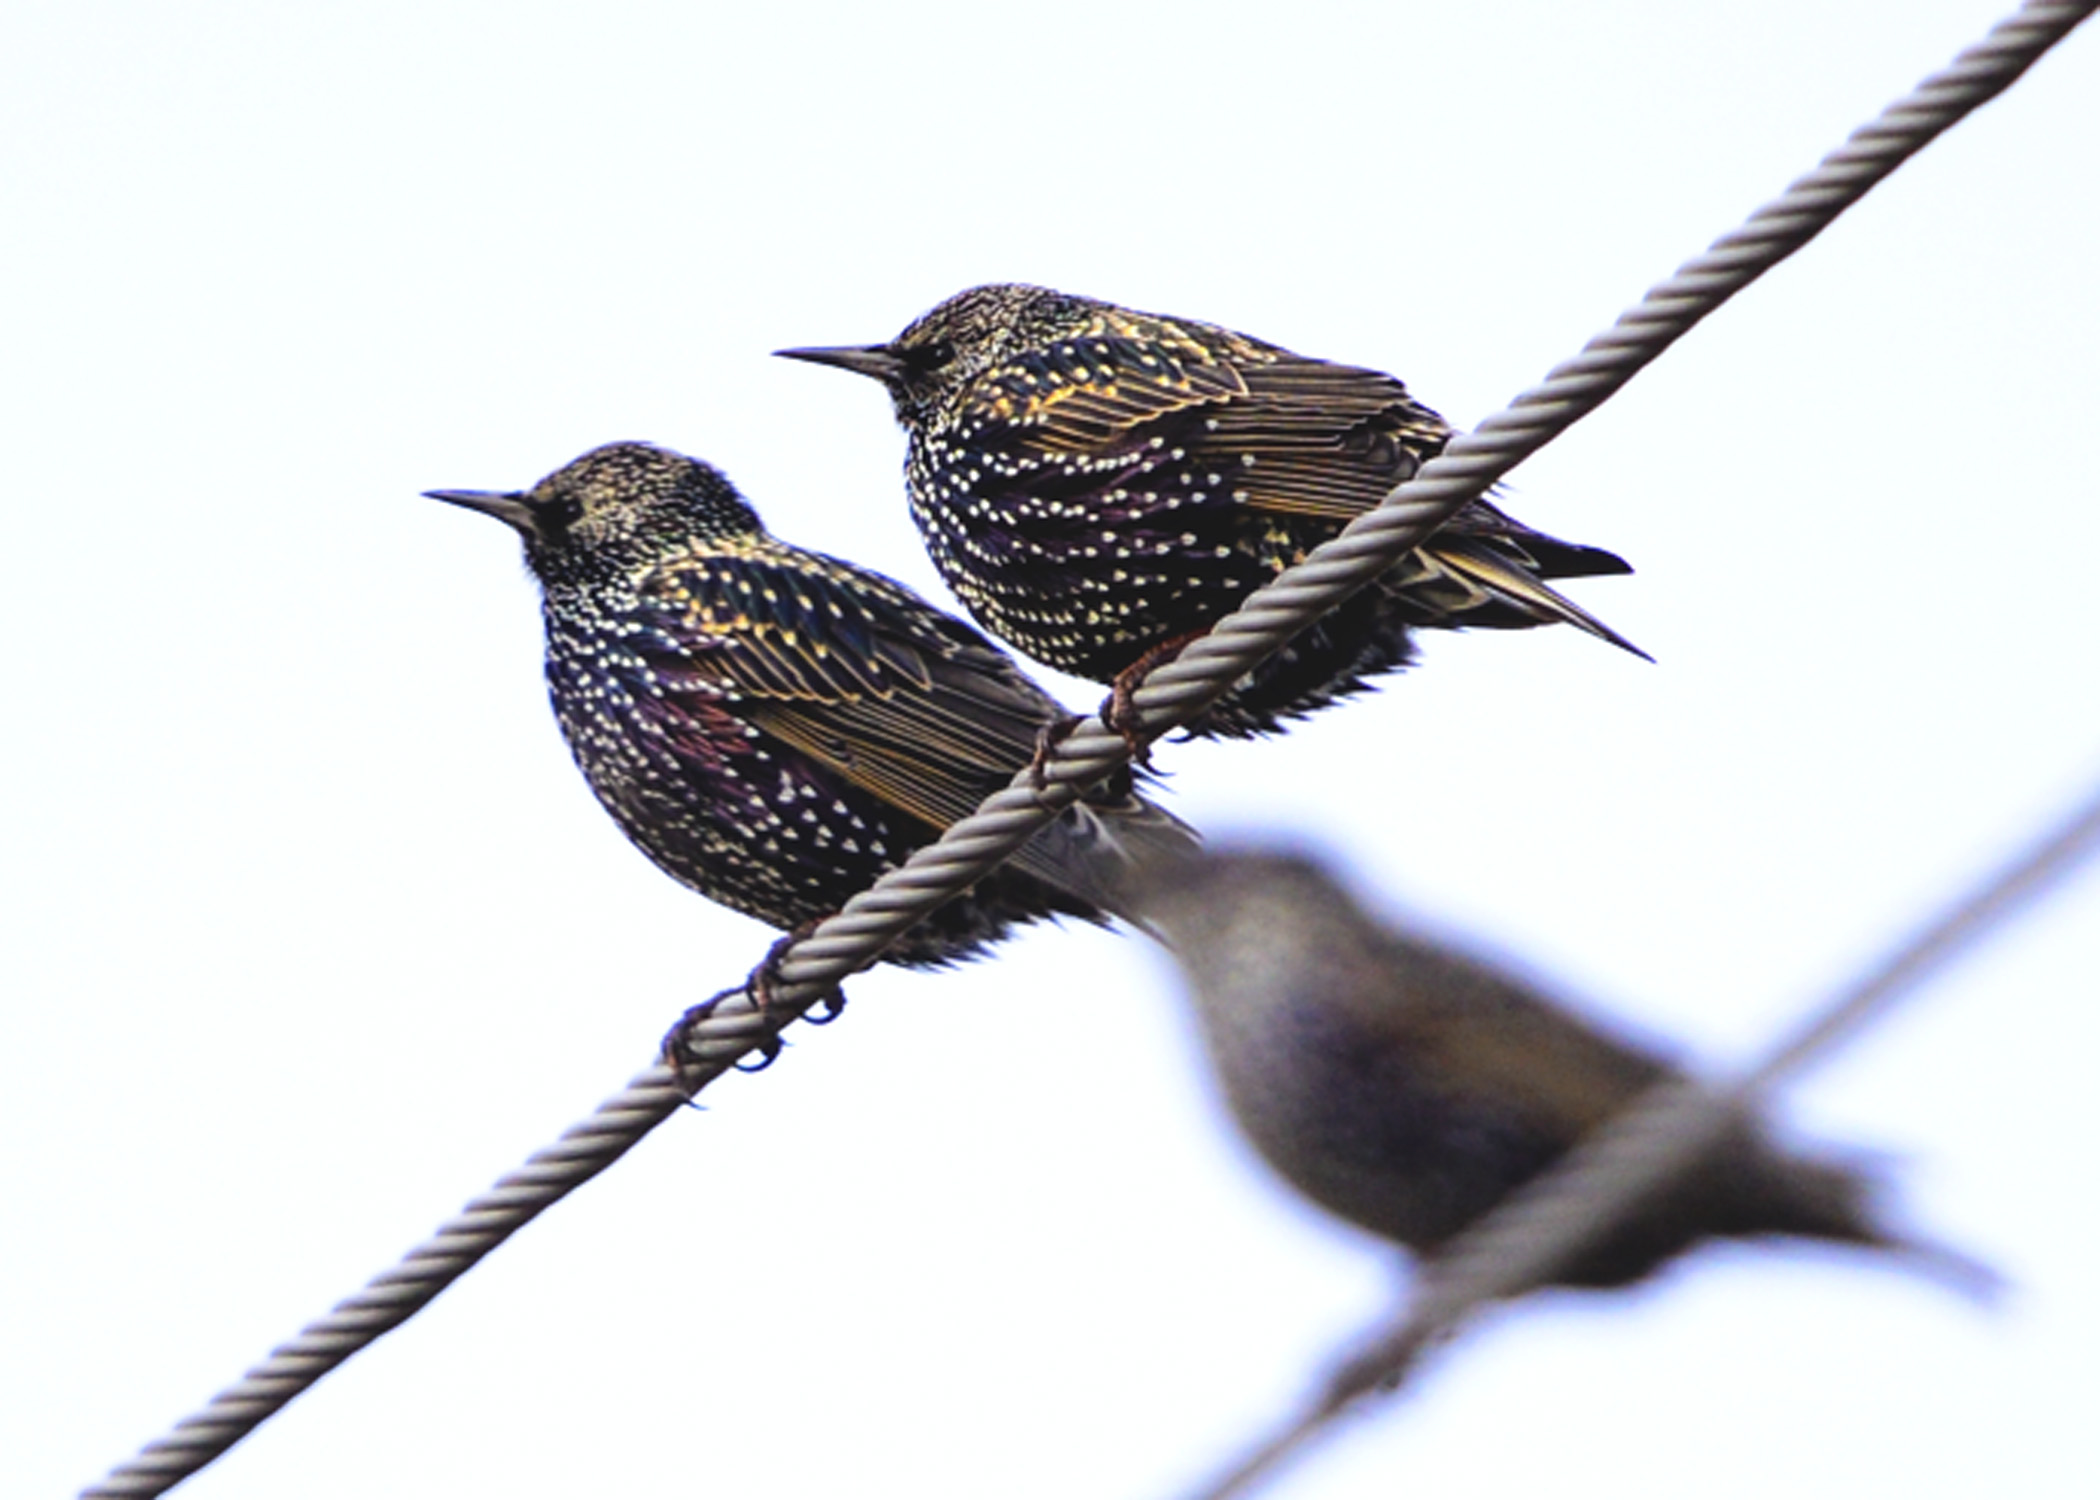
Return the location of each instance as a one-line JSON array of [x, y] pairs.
[[776, 728], [1410, 1087], [1097, 484]]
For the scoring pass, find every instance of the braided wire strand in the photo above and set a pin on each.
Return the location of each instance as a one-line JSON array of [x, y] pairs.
[[398, 1293], [807, 971]]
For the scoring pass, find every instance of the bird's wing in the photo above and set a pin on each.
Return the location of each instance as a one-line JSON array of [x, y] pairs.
[[848, 668], [1246, 425], [1510, 1043], [1282, 433], [1494, 1037], [1094, 394]]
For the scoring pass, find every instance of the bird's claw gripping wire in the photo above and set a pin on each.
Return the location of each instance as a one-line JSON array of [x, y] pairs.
[[1119, 710], [759, 987], [765, 980], [1047, 739], [679, 1049]]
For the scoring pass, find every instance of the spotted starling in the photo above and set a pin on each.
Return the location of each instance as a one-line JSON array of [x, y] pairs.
[[777, 728], [1409, 1087], [1099, 486]]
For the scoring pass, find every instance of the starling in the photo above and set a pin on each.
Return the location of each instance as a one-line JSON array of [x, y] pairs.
[[1099, 486], [1409, 1087], [776, 728]]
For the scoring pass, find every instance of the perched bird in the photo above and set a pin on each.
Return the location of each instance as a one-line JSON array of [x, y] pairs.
[[777, 728], [1408, 1087], [1099, 486]]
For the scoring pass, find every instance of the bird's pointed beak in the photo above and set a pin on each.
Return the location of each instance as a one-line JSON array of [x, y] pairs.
[[509, 507], [879, 361]]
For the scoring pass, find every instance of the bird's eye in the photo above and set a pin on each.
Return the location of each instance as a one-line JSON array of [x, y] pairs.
[[927, 358]]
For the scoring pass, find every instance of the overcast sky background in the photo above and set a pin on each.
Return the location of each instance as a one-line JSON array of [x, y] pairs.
[[310, 929]]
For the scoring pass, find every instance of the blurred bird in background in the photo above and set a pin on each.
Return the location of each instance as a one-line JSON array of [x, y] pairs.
[[776, 728], [1099, 486], [1409, 1087]]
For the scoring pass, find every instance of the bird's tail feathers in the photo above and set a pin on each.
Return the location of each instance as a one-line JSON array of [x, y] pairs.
[[1504, 587], [1844, 1197]]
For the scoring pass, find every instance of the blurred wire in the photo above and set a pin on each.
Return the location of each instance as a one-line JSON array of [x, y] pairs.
[[808, 971]]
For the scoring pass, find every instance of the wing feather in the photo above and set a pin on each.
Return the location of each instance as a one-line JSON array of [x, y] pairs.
[[852, 670], [1284, 434]]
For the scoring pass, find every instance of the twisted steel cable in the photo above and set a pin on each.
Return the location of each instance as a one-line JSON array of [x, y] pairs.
[[731, 1025]]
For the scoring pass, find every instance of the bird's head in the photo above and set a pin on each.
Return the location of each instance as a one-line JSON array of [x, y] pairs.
[[932, 365], [621, 506], [1251, 926]]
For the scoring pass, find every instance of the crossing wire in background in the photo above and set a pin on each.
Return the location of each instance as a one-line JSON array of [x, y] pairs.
[[731, 1026]]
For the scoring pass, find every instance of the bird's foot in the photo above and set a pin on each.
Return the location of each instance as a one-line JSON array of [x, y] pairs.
[[1047, 739], [761, 1033], [682, 1049], [765, 980], [1119, 711]]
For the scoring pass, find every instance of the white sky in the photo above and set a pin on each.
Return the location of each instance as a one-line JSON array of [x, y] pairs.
[[310, 929]]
